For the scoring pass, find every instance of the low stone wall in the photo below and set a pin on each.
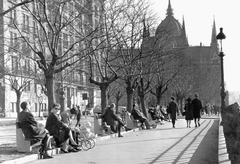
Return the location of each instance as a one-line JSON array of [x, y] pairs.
[[231, 129], [223, 156]]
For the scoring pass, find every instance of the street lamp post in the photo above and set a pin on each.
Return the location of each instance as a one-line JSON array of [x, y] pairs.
[[220, 37]]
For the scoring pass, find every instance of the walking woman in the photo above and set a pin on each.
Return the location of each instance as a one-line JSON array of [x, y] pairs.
[[189, 112]]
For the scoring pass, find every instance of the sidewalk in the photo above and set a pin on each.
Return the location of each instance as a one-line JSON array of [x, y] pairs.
[[161, 145]]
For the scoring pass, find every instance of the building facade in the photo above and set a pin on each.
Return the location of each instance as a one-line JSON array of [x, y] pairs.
[[18, 68], [202, 62]]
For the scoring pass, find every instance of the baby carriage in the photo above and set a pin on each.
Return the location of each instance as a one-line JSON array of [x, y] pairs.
[[86, 137], [154, 118]]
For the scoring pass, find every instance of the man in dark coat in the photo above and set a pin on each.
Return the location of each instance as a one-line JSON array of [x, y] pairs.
[[197, 110], [32, 130], [137, 115], [113, 120], [173, 109]]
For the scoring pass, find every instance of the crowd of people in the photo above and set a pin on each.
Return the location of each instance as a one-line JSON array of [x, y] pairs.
[[59, 125], [65, 134]]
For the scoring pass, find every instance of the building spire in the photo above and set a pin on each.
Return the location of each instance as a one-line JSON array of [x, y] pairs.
[[214, 33], [169, 10]]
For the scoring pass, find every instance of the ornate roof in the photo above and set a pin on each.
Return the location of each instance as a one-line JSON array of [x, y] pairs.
[[169, 23]]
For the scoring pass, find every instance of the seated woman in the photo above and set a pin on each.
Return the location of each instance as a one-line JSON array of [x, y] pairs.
[[32, 130], [66, 117], [61, 132]]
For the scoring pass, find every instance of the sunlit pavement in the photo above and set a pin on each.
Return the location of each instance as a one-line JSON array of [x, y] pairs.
[[163, 145]]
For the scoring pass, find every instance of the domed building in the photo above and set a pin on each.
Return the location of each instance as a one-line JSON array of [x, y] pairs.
[[202, 62]]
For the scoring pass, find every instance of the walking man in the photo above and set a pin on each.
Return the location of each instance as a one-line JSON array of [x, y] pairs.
[[173, 109], [197, 110]]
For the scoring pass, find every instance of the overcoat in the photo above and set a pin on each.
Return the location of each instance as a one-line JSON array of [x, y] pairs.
[[30, 126]]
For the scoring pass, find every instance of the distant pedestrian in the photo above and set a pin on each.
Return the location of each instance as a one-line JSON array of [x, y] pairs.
[[79, 115], [189, 112], [197, 110], [173, 109]]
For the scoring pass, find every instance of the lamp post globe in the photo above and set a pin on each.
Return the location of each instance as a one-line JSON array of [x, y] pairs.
[[220, 37]]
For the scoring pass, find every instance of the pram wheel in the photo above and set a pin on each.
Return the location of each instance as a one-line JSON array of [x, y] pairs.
[[92, 142], [85, 144], [154, 126]]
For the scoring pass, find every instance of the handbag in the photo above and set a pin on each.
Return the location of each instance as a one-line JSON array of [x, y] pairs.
[[183, 113]]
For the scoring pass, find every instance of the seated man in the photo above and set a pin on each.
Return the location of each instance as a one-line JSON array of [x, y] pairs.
[[113, 120], [137, 115], [32, 130]]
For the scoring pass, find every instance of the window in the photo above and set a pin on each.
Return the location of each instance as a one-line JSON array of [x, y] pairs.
[[36, 107], [14, 64], [13, 106], [65, 40], [25, 23], [12, 17], [26, 68], [13, 39]]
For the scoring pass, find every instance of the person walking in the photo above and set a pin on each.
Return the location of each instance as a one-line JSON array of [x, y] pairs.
[[173, 109], [197, 110], [189, 112]]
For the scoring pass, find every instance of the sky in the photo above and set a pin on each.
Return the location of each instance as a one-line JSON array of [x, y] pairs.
[[199, 16]]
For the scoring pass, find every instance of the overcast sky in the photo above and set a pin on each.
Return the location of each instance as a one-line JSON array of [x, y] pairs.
[[199, 16]]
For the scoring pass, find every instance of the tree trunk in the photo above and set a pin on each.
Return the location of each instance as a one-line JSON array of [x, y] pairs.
[[143, 105], [18, 93], [50, 92], [104, 99], [129, 98]]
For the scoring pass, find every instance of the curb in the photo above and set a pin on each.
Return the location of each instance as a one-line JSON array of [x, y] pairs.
[[34, 157], [223, 156]]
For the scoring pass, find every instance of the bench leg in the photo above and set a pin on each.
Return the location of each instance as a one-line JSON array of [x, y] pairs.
[[22, 144]]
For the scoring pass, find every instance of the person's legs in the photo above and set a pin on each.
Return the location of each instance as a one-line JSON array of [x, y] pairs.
[[195, 121], [45, 146], [199, 122], [189, 123], [64, 147], [173, 122], [71, 138], [119, 126]]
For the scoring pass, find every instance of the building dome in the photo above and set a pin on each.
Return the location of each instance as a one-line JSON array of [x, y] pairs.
[[169, 24]]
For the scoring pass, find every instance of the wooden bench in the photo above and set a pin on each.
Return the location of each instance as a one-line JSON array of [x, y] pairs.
[[130, 121], [100, 129], [23, 144]]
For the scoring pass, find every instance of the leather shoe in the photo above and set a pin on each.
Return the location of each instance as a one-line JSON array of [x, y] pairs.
[[120, 135], [46, 156], [64, 151], [72, 150], [127, 129]]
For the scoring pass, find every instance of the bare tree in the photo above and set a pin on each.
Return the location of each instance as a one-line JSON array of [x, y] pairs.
[[15, 5], [58, 34], [19, 74]]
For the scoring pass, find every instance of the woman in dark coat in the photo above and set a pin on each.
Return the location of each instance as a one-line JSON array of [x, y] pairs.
[[189, 112], [32, 130], [61, 131]]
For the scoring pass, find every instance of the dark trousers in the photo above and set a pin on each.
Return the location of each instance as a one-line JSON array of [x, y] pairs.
[[116, 128], [173, 122]]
